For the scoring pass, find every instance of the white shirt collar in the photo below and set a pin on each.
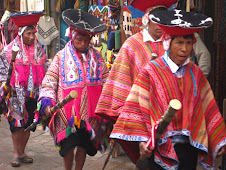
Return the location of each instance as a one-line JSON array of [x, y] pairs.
[[148, 37], [173, 66]]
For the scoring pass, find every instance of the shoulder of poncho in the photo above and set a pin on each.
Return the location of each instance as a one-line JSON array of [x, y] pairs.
[[95, 50], [134, 40], [10, 45], [7, 48], [60, 53], [136, 36]]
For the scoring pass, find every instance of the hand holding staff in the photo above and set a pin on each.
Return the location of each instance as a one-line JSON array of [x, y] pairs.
[[72, 95], [174, 106], [15, 50]]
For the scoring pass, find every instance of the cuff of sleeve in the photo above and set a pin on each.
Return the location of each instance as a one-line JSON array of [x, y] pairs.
[[44, 103]]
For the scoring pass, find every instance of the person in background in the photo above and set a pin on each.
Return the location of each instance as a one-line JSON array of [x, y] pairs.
[[197, 133], [77, 67], [28, 71], [134, 54], [202, 55]]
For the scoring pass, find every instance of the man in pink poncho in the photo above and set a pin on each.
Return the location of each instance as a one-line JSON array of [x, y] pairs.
[[28, 71], [77, 67]]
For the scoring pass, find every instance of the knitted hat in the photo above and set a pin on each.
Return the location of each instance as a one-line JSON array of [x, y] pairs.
[[143, 5], [83, 22], [22, 19], [179, 23]]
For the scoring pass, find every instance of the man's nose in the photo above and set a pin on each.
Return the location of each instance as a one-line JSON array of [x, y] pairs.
[[184, 47], [82, 43], [32, 37]]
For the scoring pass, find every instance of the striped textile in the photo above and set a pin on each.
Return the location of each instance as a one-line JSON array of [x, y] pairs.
[[132, 57], [199, 117]]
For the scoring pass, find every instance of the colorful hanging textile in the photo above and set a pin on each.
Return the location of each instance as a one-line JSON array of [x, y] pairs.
[[114, 6], [62, 5]]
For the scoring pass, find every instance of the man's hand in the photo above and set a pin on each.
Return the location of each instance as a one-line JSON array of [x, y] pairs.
[[6, 88], [222, 151], [48, 112], [144, 151]]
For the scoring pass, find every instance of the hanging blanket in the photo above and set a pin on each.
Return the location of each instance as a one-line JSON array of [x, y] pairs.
[[47, 30]]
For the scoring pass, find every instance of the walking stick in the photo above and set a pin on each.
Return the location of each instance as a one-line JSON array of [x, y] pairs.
[[173, 107], [3, 107], [72, 95], [109, 154]]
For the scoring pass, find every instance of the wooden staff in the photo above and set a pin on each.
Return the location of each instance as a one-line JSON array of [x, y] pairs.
[[72, 95], [174, 106], [109, 154], [188, 6], [15, 50]]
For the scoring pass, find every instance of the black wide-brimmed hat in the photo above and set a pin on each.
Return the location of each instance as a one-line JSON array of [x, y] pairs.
[[143, 5], [83, 22], [179, 23], [22, 19]]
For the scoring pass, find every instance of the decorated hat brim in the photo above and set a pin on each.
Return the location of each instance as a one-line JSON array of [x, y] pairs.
[[83, 21], [22, 19], [143, 5], [179, 23]]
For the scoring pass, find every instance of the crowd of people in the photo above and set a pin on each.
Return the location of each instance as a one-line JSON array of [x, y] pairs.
[[166, 60]]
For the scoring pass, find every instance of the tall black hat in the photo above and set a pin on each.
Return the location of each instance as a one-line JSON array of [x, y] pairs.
[[83, 22]]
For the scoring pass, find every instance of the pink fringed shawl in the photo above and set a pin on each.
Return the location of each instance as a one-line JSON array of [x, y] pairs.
[[67, 73], [17, 113], [22, 67]]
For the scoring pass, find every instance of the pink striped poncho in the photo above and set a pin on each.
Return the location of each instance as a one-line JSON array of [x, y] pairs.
[[199, 118], [132, 57]]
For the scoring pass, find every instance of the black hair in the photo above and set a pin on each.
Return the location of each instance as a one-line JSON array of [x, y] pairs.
[[185, 37], [30, 27], [157, 9]]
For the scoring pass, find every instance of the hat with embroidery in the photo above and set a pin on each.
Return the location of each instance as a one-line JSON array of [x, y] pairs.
[[179, 23], [143, 5], [22, 19], [83, 22]]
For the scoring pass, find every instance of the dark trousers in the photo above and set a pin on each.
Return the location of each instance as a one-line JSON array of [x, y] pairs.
[[187, 155]]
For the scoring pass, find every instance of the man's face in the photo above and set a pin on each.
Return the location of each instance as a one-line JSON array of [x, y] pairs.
[[29, 36], [81, 42], [180, 49], [154, 30]]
